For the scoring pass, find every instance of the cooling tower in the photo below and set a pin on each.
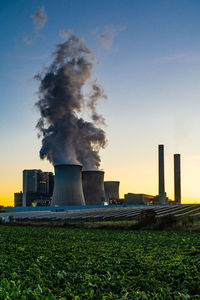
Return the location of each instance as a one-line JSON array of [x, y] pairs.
[[111, 190], [93, 187], [68, 186]]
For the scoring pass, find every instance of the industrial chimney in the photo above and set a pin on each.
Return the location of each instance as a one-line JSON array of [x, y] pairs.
[[93, 187], [177, 178], [111, 190], [68, 186], [162, 194]]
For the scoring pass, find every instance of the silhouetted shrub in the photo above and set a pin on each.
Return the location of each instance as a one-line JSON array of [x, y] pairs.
[[167, 221], [147, 216], [146, 219], [1, 221], [187, 220], [11, 218], [2, 210]]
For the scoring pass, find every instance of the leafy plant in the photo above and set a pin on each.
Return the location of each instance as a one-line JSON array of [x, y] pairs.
[[70, 263]]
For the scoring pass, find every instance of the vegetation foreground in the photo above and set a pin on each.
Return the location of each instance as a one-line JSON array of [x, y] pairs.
[[67, 263]]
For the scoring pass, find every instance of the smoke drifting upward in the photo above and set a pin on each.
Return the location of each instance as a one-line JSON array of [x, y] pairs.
[[39, 19], [66, 136]]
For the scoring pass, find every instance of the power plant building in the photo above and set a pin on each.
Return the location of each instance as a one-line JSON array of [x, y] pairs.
[[18, 199], [70, 186], [37, 185], [132, 198]]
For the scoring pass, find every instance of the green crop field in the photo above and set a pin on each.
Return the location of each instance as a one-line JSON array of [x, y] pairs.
[[64, 263]]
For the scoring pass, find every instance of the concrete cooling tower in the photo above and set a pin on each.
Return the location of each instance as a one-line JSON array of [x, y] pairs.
[[93, 187], [111, 190], [68, 186]]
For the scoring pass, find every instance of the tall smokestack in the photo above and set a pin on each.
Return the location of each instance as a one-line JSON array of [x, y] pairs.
[[162, 194], [93, 187], [68, 186], [177, 178]]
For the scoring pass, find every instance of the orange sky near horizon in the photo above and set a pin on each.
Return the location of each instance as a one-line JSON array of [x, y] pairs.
[[134, 177], [7, 198]]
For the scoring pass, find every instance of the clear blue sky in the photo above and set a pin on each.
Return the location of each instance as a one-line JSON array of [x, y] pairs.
[[150, 73]]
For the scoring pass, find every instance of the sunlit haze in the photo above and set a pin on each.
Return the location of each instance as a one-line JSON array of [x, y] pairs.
[[148, 63]]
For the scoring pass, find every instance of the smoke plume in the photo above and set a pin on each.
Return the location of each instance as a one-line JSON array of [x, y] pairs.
[[65, 33], [39, 19], [66, 136], [107, 37]]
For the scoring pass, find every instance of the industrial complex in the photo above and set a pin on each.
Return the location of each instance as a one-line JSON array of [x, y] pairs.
[[72, 186]]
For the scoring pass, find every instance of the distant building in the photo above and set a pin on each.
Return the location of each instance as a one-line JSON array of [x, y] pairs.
[[18, 199], [46, 183], [116, 201], [37, 185], [131, 198], [41, 202], [51, 183], [158, 200], [43, 183], [30, 185]]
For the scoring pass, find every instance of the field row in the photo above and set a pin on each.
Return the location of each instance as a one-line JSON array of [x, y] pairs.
[[64, 263], [108, 213]]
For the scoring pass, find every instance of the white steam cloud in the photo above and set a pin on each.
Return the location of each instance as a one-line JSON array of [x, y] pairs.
[[39, 19], [65, 33], [66, 136], [107, 37]]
